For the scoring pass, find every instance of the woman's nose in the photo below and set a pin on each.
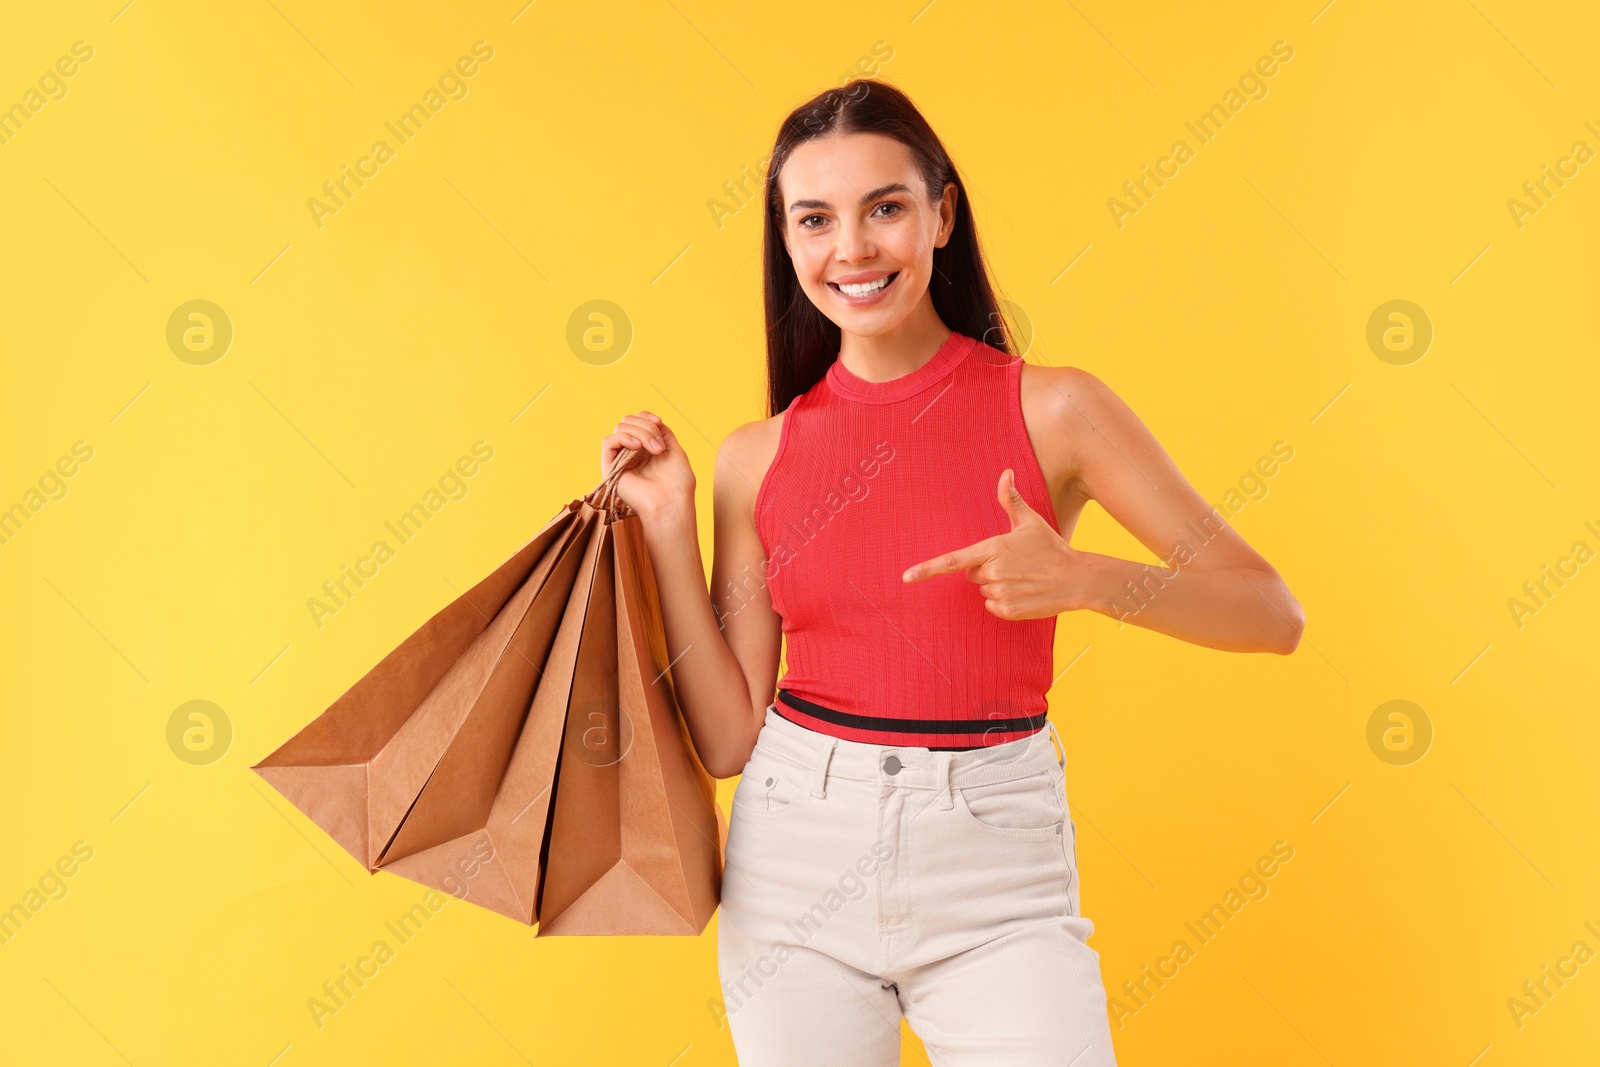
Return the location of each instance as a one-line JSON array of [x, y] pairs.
[[853, 244]]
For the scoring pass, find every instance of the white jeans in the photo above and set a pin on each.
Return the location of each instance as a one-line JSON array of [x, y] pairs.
[[866, 881]]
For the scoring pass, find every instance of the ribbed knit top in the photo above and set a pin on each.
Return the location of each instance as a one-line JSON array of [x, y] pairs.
[[868, 479]]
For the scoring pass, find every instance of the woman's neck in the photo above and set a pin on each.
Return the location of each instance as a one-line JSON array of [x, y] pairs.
[[895, 352]]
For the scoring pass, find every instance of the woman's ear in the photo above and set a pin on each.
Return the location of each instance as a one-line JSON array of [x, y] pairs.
[[947, 214]]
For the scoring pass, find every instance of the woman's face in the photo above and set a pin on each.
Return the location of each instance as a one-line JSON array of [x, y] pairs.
[[855, 213]]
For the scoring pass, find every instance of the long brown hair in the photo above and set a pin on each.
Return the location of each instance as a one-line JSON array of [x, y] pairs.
[[802, 342]]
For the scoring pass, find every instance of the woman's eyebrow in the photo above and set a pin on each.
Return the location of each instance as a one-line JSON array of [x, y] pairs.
[[882, 190]]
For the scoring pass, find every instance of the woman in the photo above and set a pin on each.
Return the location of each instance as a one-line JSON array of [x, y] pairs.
[[899, 840]]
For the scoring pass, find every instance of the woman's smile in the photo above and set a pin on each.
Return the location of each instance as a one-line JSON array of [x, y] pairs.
[[864, 294]]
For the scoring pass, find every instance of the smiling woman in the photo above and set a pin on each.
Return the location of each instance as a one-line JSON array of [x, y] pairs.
[[918, 621]]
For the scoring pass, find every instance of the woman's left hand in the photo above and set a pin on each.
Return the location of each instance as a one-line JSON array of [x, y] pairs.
[[1028, 573]]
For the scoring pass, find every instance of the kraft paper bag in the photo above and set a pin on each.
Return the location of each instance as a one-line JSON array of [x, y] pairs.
[[524, 749]]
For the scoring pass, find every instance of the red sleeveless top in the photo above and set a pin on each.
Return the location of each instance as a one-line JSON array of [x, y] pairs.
[[868, 479]]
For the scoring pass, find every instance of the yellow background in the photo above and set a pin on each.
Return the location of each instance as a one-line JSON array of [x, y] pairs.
[[431, 312]]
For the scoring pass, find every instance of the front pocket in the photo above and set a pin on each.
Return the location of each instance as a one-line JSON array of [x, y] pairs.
[[770, 788], [1022, 807]]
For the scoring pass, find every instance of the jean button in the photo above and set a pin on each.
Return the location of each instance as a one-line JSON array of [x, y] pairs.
[[892, 764]]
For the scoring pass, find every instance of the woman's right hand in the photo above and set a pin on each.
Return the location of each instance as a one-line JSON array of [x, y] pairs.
[[659, 481]]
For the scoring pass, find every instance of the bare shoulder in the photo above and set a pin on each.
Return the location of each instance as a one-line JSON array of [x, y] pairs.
[[743, 459], [1052, 391], [749, 448], [1060, 405]]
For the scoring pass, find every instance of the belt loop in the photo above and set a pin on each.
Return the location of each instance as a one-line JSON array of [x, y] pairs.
[[942, 785], [820, 789], [1056, 742]]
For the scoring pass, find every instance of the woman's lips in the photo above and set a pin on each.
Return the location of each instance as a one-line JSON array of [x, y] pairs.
[[869, 298]]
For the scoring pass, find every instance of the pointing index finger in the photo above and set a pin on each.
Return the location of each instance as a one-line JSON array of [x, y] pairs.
[[949, 563]]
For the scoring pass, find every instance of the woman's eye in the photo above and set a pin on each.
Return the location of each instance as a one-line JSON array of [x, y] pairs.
[[807, 219], [896, 207]]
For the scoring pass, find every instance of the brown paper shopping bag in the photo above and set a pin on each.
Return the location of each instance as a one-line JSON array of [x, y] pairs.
[[524, 748]]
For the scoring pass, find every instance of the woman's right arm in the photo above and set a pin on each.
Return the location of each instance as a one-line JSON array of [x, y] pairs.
[[723, 644]]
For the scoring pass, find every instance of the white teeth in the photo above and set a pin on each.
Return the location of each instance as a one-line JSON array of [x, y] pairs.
[[866, 288]]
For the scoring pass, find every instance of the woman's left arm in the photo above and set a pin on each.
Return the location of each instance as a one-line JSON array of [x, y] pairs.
[[1212, 588]]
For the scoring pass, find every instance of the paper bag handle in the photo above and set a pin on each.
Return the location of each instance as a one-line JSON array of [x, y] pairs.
[[603, 496]]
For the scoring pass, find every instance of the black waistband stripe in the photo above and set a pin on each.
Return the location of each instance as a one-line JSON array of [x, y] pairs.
[[1026, 723]]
